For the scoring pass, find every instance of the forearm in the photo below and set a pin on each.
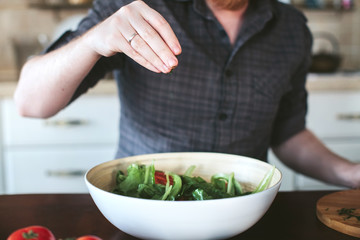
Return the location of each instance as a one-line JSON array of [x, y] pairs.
[[308, 155], [48, 82]]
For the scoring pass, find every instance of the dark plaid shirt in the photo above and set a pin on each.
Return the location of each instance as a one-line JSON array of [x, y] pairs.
[[237, 99]]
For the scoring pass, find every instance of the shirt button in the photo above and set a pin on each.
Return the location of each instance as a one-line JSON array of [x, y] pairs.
[[223, 116], [228, 73]]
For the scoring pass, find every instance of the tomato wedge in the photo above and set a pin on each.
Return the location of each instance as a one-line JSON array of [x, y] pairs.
[[160, 178]]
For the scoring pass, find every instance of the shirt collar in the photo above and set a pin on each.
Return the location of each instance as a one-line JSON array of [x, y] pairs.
[[258, 14], [200, 6], [258, 7]]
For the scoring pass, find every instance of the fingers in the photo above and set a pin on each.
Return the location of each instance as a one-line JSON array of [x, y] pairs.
[[133, 54], [162, 27], [150, 44], [156, 45], [156, 58], [138, 49]]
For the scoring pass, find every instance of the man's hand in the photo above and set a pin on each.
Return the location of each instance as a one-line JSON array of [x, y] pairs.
[[47, 82], [356, 176], [141, 33]]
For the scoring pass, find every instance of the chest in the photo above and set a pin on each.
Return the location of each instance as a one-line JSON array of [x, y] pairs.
[[212, 73]]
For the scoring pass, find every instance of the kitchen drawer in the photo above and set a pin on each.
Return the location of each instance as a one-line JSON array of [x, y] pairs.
[[347, 149], [334, 114], [90, 119], [52, 170]]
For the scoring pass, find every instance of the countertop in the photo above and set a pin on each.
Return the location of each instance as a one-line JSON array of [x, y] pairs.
[[291, 216], [315, 82], [334, 82]]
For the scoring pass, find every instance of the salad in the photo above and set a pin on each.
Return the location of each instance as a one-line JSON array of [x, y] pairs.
[[143, 181]]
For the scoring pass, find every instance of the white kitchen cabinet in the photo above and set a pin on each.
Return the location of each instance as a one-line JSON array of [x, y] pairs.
[[2, 178], [52, 169], [88, 120], [335, 115], [52, 155]]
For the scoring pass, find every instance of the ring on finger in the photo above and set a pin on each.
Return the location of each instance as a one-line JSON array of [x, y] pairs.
[[132, 37]]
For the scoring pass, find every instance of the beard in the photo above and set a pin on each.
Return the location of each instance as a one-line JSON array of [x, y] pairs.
[[228, 4]]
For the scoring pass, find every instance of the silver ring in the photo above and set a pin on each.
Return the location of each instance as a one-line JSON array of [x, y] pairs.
[[132, 37]]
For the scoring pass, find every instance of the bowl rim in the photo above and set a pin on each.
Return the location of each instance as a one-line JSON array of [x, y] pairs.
[[276, 185]]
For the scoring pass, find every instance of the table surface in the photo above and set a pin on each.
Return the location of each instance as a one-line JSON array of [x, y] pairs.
[[291, 216]]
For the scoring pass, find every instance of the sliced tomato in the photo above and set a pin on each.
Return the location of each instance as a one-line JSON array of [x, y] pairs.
[[32, 233], [160, 178]]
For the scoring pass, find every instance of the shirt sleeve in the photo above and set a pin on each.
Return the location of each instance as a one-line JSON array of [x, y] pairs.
[[101, 10], [291, 116]]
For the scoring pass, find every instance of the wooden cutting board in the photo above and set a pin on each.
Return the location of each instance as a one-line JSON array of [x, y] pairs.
[[340, 211]]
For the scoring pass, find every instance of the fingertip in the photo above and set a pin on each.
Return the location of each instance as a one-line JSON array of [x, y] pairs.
[[173, 62], [177, 50]]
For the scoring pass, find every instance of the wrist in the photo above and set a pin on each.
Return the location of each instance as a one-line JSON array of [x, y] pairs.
[[89, 44], [349, 175]]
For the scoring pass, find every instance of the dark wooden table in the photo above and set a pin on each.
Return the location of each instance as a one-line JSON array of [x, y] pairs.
[[291, 217]]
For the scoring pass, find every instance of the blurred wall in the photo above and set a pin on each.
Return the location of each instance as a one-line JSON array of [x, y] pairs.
[[345, 27], [21, 26]]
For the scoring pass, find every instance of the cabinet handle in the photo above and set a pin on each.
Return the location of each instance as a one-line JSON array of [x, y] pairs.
[[66, 122], [348, 116], [65, 173]]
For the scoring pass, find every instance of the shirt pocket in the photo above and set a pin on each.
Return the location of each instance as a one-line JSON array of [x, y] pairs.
[[267, 90]]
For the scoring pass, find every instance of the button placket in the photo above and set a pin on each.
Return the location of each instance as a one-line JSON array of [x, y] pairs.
[[223, 115]]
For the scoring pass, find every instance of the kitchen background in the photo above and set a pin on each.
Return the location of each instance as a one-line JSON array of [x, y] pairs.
[[59, 150], [27, 25]]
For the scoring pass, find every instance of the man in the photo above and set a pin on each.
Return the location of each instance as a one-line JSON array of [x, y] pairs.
[[238, 86]]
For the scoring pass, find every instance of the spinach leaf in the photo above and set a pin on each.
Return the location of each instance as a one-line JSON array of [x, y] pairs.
[[199, 194], [149, 177], [228, 183], [191, 184], [153, 191], [176, 187]]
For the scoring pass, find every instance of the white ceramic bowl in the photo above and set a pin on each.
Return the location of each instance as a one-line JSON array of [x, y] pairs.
[[208, 219]]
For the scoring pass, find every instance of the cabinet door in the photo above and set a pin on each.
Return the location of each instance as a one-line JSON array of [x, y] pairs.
[[347, 149], [88, 120], [52, 170], [334, 115]]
